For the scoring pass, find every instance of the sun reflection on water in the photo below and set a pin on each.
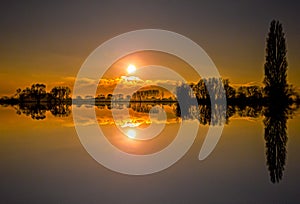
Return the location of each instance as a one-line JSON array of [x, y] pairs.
[[131, 133]]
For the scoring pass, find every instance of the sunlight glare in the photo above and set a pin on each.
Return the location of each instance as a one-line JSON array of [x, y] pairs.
[[131, 69], [131, 133]]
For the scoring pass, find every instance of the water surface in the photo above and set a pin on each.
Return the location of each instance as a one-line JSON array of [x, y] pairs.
[[44, 161]]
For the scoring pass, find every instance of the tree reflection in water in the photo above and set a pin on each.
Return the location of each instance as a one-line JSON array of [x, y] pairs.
[[275, 121], [38, 111], [276, 138]]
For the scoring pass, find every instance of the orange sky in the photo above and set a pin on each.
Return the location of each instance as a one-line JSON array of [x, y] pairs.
[[13, 80], [47, 43]]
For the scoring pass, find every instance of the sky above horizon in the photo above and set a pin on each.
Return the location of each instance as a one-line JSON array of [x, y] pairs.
[[48, 42]]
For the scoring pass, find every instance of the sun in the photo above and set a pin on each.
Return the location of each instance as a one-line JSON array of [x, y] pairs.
[[131, 69]]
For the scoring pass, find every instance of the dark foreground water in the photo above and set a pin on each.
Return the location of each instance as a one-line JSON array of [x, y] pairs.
[[43, 161]]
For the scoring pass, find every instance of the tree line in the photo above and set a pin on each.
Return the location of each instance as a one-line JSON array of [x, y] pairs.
[[37, 94], [209, 89], [276, 89]]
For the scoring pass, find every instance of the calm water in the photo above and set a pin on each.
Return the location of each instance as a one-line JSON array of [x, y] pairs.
[[43, 161]]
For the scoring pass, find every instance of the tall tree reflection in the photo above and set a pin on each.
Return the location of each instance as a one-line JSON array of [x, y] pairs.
[[276, 139]]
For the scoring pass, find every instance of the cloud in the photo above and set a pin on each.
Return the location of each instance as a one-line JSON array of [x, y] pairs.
[[125, 85], [253, 83]]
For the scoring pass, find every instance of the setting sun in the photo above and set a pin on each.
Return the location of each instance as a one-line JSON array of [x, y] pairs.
[[131, 69]]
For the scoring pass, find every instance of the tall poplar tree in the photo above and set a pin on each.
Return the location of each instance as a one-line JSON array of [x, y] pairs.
[[275, 80]]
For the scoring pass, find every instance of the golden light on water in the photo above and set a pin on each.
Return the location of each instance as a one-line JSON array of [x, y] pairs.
[[131, 69], [131, 133]]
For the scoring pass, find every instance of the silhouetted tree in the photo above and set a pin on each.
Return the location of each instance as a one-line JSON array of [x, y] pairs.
[[214, 87], [24, 94], [35, 93], [38, 91], [208, 89], [249, 94], [276, 64], [200, 90], [109, 96], [229, 91], [18, 92], [60, 93], [292, 94]]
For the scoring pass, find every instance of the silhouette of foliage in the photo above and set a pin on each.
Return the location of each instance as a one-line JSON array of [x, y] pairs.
[[279, 97], [60, 110], [34, 101], [37, 92], [60, 94], [276, 101], [211, 89], [229, 90], [35, 111], [276, 64], [276, 139]]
